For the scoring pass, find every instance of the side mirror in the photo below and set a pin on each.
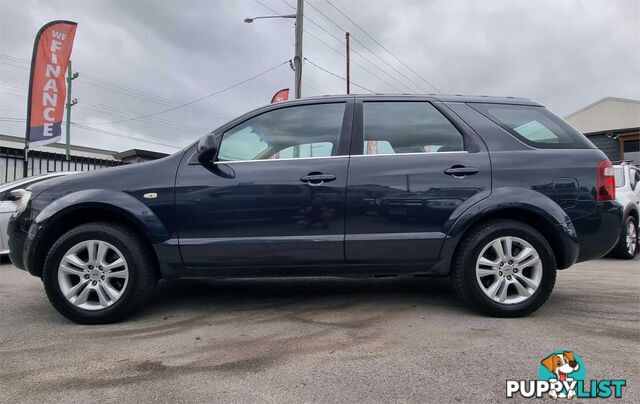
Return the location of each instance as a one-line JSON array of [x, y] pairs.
[[207, 148], [15, 195]]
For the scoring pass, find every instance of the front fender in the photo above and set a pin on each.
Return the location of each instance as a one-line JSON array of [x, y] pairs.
[[524, 200], [118, 202]]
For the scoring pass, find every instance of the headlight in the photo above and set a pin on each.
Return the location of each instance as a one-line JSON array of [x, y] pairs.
[[22, 202]]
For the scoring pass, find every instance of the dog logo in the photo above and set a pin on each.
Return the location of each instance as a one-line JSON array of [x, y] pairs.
[[562, 365], [562, 375]]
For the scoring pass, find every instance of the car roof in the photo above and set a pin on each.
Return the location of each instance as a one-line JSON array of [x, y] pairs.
[[437, 97]]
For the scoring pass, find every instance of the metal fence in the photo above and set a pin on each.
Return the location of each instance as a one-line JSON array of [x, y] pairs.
[[43, 162]]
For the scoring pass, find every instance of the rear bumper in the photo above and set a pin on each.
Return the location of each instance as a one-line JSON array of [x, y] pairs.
[[598, 232]]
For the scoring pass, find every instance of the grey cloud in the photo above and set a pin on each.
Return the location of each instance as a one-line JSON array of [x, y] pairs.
[[562, 54]]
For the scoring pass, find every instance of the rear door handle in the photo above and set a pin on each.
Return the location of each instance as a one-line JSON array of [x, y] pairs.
[[461, 171], [315, 179]]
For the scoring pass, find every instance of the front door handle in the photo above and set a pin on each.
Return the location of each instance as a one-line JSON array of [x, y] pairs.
[[315, 179], [460, 171]]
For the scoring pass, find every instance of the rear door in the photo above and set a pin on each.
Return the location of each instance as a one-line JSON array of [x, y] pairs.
[[275, 195], [413, 169]]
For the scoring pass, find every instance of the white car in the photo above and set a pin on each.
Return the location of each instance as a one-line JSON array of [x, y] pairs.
[[627, 178], [8, 202]]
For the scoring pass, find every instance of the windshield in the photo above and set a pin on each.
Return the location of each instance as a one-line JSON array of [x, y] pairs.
[[618, 173]]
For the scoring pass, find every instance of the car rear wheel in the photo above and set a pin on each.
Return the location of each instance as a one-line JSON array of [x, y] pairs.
[[504, 268], [627, 247], [98, 273]]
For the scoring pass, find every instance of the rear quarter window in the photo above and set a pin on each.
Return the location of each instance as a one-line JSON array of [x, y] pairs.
[[534, 125]]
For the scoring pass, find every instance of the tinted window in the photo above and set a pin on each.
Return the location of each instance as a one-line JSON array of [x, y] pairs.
[[407, 127], [320, 149], [635, 178], [534, 125], [303, 131]]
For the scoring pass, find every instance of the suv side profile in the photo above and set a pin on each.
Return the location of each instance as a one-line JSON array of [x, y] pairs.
[[495, 193]]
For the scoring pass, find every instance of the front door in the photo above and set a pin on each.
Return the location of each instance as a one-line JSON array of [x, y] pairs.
[[411, 173], [275, 195]]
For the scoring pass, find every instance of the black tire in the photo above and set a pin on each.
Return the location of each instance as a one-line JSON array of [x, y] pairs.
[[621, 249], [463, 272], [142, 272]]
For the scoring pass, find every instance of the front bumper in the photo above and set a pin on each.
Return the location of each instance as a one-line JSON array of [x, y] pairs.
[[20, 239], [17, 240]]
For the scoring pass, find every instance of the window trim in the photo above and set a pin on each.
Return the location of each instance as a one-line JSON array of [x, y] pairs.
[[357, 139], [345, 129]]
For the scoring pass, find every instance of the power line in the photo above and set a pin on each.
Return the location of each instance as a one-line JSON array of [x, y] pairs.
[[372, 52], [330, 47], [113, 110], [383, 47], [363, 57], [166, 122], [106, 132], [338, 76], [198, 99], [98, 82], [145, 95], [354, 51]]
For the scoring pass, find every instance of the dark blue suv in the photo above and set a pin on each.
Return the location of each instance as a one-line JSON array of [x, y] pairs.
[[495, 193]]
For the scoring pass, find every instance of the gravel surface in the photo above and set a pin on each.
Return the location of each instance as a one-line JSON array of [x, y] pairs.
[[315, 340]]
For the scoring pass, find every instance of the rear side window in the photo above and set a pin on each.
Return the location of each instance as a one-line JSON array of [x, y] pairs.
[[535, 126], [407, 127]]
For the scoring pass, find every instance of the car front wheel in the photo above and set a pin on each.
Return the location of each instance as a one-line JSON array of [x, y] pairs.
[[504, 268], [98, 273]]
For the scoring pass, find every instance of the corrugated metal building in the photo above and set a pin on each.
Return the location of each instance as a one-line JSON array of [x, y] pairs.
[[613, 125], [52, 158]]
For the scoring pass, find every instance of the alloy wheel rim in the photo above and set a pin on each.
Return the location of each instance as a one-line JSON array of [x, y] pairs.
[[93, 275], [632, 238], [509, 270]]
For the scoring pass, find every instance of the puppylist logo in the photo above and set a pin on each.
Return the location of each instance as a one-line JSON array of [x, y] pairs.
[[562, 374]]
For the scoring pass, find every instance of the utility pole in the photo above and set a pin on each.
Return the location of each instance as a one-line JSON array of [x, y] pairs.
[[346, 35], [70, 103], [297, 60]]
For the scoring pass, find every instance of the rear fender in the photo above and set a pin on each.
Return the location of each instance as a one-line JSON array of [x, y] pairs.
[[510, 199]]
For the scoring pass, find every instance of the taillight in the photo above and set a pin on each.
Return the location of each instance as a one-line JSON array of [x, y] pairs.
[[606, 185]]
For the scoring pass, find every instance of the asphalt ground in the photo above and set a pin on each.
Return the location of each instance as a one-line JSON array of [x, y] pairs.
[[316, 340]]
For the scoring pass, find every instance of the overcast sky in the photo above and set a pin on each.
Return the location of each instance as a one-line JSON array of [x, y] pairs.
[[564, 54]]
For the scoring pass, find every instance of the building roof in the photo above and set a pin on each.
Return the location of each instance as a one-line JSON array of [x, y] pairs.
[[18, 142], [606, 114]]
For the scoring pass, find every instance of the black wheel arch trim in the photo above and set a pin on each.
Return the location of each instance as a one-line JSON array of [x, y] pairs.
[[503, 203], [117, 203]]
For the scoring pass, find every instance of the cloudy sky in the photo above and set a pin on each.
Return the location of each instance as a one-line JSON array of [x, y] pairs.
[[141, 57]]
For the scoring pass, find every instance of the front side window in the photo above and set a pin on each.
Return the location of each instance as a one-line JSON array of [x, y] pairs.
[[534, 125], [294, 132], [407, 127]]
